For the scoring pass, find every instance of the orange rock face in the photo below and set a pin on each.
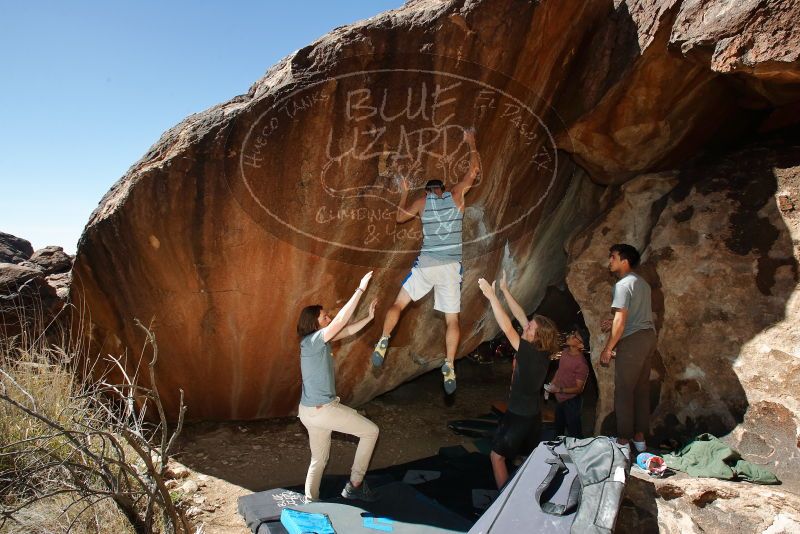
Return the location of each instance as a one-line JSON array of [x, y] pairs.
[[283, 197]]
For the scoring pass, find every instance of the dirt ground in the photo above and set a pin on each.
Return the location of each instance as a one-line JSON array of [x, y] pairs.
[[229, 460]]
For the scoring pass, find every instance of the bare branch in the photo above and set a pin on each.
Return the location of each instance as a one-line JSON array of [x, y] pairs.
[[22, 389], [97, 446]]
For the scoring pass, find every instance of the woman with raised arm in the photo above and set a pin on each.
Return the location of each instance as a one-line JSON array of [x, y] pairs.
[[320, 410], [539, 340]]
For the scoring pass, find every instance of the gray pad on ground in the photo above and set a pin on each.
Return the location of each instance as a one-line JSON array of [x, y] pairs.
[[420, 476], [483, 498], [516, 509], [267, 505], [401, 509]]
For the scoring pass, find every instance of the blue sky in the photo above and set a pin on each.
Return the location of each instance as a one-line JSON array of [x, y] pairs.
[[87, 87]]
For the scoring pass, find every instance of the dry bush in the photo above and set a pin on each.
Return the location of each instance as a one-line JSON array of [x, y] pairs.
[[77, 454], [61, 514]]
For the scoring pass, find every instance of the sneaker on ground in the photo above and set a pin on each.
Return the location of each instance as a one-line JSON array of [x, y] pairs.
[[449, 376], [361, 493], [379, 353]]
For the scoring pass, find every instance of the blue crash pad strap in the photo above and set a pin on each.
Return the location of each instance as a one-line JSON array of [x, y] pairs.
[[384, 524]]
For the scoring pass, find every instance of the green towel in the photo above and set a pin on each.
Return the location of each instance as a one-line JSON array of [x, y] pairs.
[[755, 473], [707, 456]]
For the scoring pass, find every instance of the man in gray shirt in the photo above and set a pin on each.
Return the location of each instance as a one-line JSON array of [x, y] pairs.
[[634, 336]]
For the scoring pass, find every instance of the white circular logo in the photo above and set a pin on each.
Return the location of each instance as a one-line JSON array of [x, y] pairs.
[[319, 164]]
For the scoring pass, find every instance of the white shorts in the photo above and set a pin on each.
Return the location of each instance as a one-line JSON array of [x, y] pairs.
[[444, 279]]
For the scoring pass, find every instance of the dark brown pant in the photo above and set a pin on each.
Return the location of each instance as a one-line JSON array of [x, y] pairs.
[[632, 383]]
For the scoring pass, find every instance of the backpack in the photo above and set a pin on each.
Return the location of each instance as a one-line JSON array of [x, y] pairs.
[[576, 485], [603, 467]]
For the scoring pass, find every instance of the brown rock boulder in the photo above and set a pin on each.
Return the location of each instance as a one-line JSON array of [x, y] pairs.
[[284, 196], [663, 106], [52, 260], [755, 44], [723, 263], [684, 505], [759, 39], [14, 249], [34, 286], [61, 283], [14, 277], [27, 302]]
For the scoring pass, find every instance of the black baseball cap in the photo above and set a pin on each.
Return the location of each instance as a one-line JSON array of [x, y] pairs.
[[432, 184]]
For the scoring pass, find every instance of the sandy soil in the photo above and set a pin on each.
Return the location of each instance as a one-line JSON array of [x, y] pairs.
[[229, 460]]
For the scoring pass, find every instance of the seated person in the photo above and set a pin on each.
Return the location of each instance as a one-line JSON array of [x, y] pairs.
[[568, 384]]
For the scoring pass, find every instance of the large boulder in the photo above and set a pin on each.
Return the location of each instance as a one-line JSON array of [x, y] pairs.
[[685, 505], [61, 283], [719, 241], [285, 196], [34, 287], [756, 38], [52, 260], [14, 249], [28, 303]]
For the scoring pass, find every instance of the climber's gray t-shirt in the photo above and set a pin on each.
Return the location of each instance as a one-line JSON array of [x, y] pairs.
[[316, 367], [632, 293]]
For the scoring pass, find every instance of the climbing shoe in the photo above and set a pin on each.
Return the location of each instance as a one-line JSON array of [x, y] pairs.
[[449, 375], [380, 351], [361, 493]]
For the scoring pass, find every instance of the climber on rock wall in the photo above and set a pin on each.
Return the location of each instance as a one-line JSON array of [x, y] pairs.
[[438, 265]]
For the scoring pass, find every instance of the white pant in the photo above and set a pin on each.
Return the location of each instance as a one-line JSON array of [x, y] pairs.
[[444, 279], [340, 418]]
